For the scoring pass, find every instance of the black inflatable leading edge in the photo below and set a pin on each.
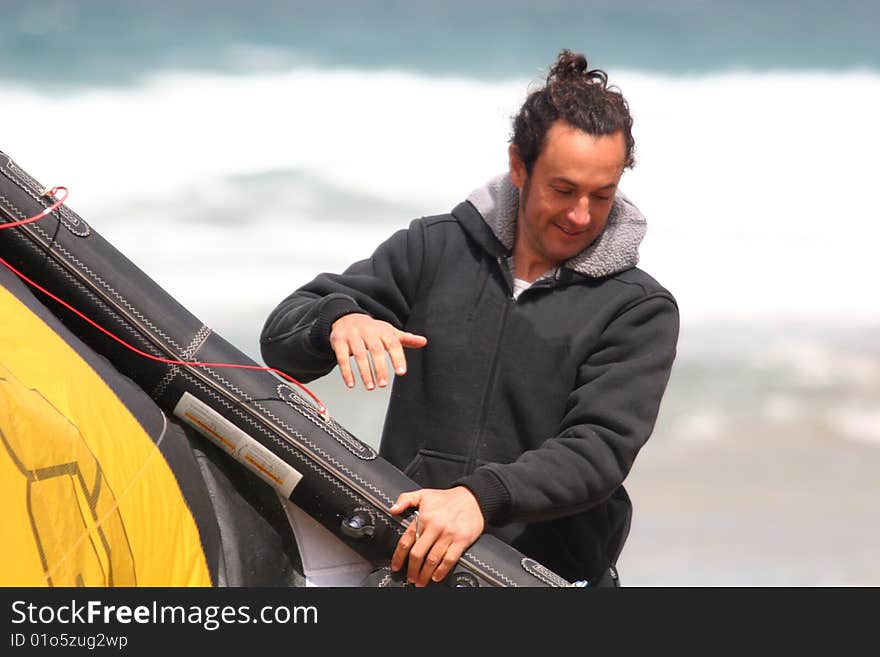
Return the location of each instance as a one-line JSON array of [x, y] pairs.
[[255, 417]]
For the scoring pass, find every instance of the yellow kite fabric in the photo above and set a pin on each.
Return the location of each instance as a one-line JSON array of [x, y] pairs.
[[87, 497]]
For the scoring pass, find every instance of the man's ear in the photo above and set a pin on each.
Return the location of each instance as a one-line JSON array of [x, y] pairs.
[[517, 167]]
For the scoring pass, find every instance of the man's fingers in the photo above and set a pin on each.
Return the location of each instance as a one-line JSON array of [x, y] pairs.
[[433, 561], [413, 532], [419, 551], [450, 557], [367, 340], [363, 364], [406, 500], [342, 359], [377, 353], [395, 344], [404, 545], [395, 352], [412, 340]]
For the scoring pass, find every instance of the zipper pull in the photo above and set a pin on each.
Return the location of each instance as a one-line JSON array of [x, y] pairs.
[[505, 273]]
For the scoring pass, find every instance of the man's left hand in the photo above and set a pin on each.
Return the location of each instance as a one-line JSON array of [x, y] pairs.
[[449, 522]]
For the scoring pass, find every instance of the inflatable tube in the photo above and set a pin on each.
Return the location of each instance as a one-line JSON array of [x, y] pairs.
[[254, 417]]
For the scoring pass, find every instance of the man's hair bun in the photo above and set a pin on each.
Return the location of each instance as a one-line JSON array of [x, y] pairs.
[[573, 67]]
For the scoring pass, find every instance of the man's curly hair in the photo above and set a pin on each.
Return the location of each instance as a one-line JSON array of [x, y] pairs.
[[581, 97]]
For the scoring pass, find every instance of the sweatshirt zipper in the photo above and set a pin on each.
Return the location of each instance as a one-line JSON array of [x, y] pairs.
[[493, 368], [506, 275], [490, 385], [487, 394]]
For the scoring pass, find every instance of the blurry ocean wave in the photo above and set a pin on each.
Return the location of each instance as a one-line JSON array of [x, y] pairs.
[[821, 386], [754, 185]]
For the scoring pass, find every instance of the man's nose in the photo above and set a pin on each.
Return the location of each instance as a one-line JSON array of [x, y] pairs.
[[580, 212]]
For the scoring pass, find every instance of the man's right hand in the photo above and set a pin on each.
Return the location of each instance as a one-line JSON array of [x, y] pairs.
[[368, 339]]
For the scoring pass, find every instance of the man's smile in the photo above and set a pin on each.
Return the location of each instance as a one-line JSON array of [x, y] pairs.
[[570, 232]]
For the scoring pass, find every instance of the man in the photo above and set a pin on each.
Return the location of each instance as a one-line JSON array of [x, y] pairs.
[[537, 353]]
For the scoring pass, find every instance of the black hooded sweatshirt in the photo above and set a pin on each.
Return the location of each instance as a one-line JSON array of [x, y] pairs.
[[537, 404]]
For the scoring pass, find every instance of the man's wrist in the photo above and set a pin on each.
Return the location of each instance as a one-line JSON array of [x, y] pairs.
[[491, 494], [332, 309]]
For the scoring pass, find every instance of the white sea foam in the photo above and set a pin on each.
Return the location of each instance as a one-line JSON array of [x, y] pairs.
[[856, 422], [756, 186]]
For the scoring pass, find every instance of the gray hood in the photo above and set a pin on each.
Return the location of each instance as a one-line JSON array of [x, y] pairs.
[[616, 248]]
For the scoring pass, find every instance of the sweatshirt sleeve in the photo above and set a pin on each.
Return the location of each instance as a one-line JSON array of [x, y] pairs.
[[296, 335], [611, 412]]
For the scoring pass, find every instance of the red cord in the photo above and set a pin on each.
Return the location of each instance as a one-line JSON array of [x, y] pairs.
[[49, 210], [51, 193]]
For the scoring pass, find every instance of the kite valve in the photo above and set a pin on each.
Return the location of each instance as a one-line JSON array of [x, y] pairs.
[[358, 525]]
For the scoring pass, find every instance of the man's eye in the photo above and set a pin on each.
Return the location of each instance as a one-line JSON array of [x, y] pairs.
[[602, 198], [563, 192]]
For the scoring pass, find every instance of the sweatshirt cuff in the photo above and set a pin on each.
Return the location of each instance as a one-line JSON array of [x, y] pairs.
[[332, 309], [492, 495]]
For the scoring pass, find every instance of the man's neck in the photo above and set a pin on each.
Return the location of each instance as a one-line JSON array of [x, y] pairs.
[[527, 267]]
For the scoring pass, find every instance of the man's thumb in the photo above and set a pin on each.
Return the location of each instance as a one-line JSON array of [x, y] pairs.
[[405, 501], [413, 340]]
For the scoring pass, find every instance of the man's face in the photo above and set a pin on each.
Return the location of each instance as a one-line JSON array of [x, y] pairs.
[[565, 202]]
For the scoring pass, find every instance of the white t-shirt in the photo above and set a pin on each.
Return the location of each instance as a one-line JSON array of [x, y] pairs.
[[518, 286]]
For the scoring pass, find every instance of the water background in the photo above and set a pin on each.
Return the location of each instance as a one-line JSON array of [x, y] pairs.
[[235, 150]]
